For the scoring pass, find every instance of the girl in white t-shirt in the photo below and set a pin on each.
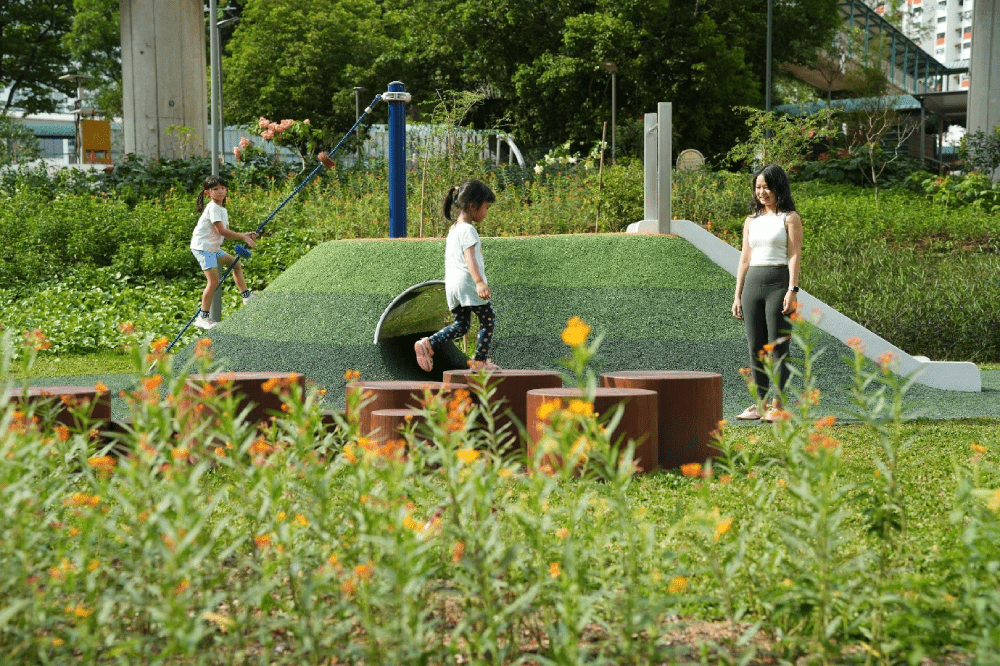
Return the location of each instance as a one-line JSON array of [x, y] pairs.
[[206, 245], [464, 276]]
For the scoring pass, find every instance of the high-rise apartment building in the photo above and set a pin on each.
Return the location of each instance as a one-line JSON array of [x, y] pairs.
[[942, 28]]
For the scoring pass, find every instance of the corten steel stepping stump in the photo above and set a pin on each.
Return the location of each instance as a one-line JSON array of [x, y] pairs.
[[511, 387], [690, 410], [65, 398], [392, 394], [639, 420], [387, 424], [261, 391]]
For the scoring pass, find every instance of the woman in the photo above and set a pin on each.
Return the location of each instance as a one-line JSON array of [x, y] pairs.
[[767, 283]]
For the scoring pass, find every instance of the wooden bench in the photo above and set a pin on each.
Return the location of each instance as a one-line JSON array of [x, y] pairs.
[[638, 423], [511, 392], [690, 408]]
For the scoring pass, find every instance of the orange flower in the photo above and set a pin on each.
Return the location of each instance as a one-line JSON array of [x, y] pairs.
[[262, 541], [855, 344], [159, 345], [677, 585], [581, 407], [691, 469], [104, 464], [152, 383], [887, 360], [457, 551], [977, 448], [352, 375], [555, 569]]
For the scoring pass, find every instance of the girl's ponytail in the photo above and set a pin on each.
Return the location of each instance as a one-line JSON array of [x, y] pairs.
[[449, 201]]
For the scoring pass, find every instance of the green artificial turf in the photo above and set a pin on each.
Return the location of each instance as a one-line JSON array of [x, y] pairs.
[[658, 301]]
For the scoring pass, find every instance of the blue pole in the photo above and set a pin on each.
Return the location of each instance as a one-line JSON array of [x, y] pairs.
[[397, 99]]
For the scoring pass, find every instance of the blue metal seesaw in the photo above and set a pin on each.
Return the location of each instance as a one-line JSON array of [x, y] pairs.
[[243, 252]]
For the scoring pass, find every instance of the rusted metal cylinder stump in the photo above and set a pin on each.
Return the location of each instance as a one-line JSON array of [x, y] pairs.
[[510, 391], [638, 422], [66, 398], [260, 391], [388, 424], [392, 394], [690, 410]]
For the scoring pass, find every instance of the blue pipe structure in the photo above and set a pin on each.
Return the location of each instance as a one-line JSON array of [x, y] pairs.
[[397, 97], [325, 163]]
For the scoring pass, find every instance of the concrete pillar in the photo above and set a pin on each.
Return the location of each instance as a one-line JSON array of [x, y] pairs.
[[164, 76], [984, 69]]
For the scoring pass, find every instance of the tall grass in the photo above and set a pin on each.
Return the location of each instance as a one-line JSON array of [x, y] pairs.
[[196, 537]]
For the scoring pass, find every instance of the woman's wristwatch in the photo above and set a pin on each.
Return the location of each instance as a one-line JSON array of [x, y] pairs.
[[794, 290]]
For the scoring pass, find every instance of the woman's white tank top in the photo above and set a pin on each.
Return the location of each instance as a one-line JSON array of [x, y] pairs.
[[768, 240]]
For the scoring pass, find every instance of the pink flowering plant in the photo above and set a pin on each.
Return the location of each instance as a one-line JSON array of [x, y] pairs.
[[299, 135]]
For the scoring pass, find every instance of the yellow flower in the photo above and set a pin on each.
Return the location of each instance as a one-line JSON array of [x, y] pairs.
[[581, 407], [562, 532], [978, 448], [576, 332], [223, 622], [555, 570], [545, 409], [722, 528], [677, 585], [300, 520], [81, 612], [468, 455], [457, 551]]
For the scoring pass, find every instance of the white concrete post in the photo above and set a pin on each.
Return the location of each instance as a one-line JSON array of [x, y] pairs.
[[984, 70], [163, 75], [657, 161], [650, 166]]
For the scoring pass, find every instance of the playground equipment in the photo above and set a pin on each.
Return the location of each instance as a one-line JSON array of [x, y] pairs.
[[657, 159], [325, 163]]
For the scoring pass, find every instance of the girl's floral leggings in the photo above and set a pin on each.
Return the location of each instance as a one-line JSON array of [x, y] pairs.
[[462, 323]]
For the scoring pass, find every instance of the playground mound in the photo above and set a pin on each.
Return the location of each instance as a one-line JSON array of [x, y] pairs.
[[657, 302]]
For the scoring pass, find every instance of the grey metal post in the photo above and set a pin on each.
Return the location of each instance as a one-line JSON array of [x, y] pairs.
[[664, 161], [213, 30], [767, 93]]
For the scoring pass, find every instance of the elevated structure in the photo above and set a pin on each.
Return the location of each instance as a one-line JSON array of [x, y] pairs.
[[163, 77], [984, 91]]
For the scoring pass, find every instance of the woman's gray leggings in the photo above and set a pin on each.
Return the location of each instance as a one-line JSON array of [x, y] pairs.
[[764, 290]]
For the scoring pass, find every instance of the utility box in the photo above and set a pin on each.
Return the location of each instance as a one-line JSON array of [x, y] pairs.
[[96, 135]]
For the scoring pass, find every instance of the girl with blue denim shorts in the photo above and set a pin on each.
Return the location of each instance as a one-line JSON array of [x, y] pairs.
[[206, 245]]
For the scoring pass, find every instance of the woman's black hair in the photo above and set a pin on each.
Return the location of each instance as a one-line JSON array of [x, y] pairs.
[[471, 193], [777, 182], [210, 182]]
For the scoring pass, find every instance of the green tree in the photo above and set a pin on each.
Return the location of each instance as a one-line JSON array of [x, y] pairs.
[[17, 142], [94, 42], [288, 59], [32, 56]]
